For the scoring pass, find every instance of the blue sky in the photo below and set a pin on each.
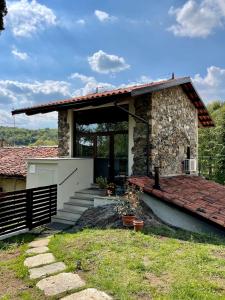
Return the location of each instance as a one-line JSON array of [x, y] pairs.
[[57, 49]]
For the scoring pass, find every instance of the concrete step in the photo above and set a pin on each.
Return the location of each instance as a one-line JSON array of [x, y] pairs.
[[57, 219], [94, 186], [74, 207], [84, 196], [92, 192], [82, 202], [68, 215]]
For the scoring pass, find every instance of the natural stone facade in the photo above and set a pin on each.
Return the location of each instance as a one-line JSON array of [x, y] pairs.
[[63, 133], [173, 128], [142, 107]]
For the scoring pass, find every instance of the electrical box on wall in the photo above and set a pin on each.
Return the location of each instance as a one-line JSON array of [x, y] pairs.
[[32, 169]]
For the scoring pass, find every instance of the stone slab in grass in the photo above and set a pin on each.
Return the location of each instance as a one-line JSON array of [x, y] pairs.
[[38, 250], [39, 243], [60, 283], [38, 260], [88, 294], [47, 270]]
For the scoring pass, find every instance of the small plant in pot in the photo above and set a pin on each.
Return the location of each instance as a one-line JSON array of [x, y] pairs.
[[111, 189], [126, 211], [128, 206], [138, 225], [102, 183]]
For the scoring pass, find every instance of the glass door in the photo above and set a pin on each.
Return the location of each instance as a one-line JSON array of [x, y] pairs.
[[102, 163], [121, 155]]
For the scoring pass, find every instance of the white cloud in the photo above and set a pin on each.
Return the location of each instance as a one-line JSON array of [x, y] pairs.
[[17, 94], [103, 16], [19, 55], [198, 18], [91, 85], [81, 22], [102, 62], [211, 87], [27, 17]]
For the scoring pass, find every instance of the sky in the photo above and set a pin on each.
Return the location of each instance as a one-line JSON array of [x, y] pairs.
[[53, 50]]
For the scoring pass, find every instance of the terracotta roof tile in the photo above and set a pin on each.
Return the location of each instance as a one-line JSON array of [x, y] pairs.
[[203, 115], [13, 159], [200, 196]]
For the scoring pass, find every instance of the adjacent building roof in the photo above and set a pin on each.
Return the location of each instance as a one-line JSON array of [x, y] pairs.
[[194, 194], [131, 91], [13, 159]]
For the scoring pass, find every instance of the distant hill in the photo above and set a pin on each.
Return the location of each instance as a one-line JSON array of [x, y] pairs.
[[26, 137]]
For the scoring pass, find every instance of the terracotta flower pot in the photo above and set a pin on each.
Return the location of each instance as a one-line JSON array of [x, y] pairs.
[[138, 225], [128, 220]]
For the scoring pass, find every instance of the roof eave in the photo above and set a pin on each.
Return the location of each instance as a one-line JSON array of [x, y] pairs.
[[160, 86]]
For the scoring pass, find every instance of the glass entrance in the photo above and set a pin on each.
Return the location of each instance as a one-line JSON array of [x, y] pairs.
[[105, 142], [102, 157]]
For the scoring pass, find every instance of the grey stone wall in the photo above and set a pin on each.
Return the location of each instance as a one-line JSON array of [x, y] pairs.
[[142, 107], [63, 133], [174, 128]]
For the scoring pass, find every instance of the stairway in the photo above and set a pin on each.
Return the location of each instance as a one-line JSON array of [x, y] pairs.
[[76, 205]]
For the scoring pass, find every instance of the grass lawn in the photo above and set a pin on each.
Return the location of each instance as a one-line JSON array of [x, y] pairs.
[[159, 264], [14, 282]]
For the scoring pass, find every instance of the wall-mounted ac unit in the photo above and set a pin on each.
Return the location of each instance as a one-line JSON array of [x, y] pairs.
[[190, 165]]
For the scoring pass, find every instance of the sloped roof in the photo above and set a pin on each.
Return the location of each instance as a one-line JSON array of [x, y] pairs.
[[195, 194], [132, 91], [13, 159]]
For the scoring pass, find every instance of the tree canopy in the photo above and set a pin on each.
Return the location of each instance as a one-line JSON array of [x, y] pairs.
[[26, 137], [3, 12], [212, 144]]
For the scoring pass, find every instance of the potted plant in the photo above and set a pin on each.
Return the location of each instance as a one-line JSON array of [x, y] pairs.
[[126, 211], [111, 189], [138, 225], [127, 207], [101, 182]]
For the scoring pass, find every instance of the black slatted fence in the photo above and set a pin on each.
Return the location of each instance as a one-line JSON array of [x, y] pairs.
[[27, 209]]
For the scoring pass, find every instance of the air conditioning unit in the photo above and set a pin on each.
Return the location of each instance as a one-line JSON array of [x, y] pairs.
[[190, 165]]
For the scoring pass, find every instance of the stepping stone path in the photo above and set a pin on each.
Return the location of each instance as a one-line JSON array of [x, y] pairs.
[[92, 294], [38, 250], [60, 283], [47, 270], [38, 260], [43, 264]]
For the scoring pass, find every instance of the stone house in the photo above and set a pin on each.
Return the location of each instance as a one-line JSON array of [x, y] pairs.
[[161, 119], [123, 132]]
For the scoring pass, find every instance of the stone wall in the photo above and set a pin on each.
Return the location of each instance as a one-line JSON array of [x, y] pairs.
[[142, 107], [174, 128], [63, 133]]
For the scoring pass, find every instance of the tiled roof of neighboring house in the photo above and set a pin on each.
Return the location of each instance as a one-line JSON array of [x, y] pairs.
[[135, 90], [192, 193], [13, 159]]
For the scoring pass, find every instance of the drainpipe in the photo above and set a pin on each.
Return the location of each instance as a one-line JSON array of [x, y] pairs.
[[148, 133], [157, 184]]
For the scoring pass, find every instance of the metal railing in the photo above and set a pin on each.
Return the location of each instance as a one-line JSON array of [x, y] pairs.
[[67, 177]]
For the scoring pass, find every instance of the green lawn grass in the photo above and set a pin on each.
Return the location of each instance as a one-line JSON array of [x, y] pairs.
[[158, 264], [14, 282]]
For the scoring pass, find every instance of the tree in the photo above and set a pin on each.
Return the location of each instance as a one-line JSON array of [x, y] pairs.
[[3, 13]]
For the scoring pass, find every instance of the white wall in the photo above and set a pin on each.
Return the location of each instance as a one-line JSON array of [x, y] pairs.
[[131, 125], [71, 128], [177, 218], [53, 171]]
